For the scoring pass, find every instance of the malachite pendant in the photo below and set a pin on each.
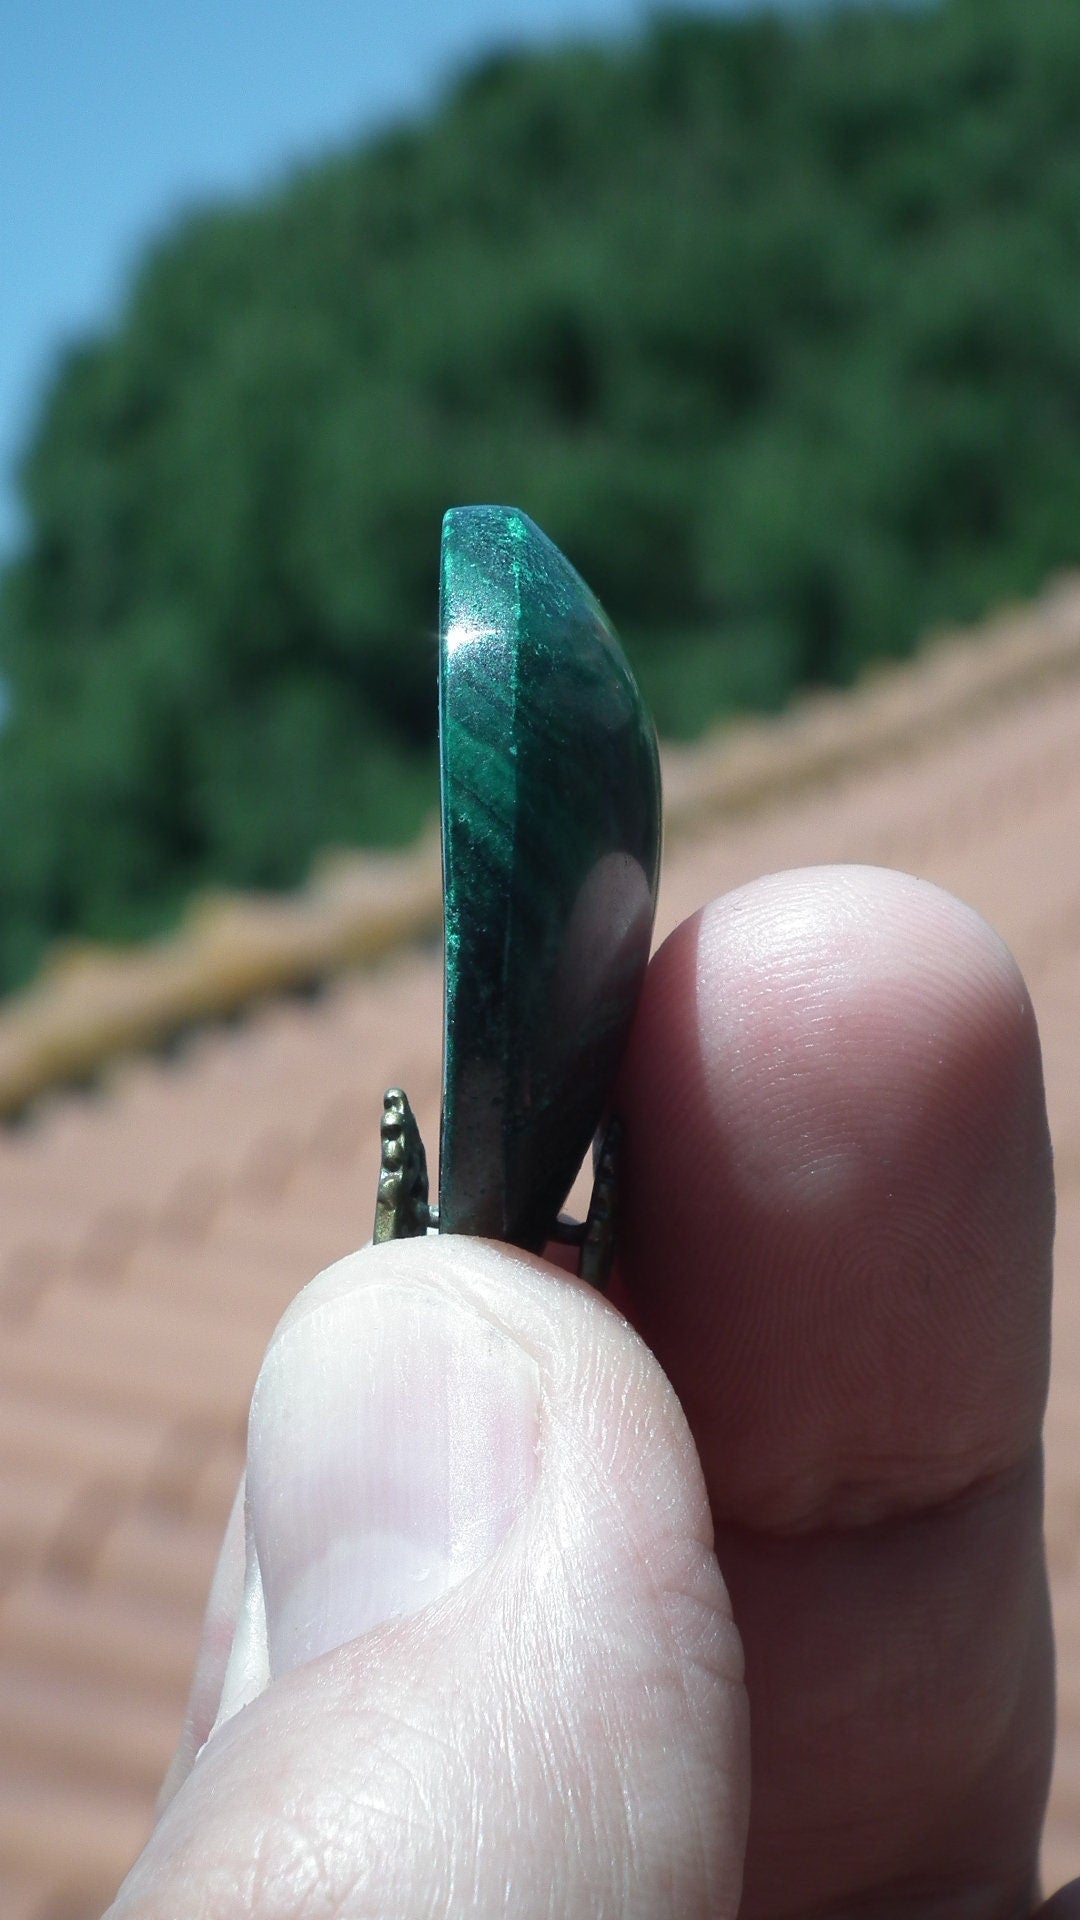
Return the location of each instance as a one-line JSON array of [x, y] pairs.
[[551, 860]]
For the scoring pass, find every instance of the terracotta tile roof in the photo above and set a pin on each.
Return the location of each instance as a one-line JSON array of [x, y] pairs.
[[152, 1231]]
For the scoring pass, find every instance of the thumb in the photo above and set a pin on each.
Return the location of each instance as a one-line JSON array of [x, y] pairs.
[[499, 1674]]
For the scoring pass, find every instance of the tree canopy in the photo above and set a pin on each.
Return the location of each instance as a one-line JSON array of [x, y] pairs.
[[773, 323]]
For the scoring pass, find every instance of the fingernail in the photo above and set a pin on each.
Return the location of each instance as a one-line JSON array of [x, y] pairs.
[[392, 1446]]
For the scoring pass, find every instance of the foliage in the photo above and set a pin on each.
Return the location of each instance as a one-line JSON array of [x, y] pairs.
[[772, 323]]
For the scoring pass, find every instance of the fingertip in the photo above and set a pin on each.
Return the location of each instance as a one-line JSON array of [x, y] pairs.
[[838, 1197], [473, 1504]]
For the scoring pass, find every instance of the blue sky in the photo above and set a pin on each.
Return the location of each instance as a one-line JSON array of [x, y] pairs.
[[116, 114]]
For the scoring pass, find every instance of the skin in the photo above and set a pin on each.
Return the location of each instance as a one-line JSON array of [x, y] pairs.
[[766, 1629]]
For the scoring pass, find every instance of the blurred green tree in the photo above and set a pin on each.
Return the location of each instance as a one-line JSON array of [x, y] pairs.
[[773, 323]]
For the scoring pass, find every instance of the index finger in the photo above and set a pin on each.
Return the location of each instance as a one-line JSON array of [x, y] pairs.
[[837, 1232]]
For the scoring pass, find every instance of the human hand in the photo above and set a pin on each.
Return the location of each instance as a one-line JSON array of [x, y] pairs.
[[492, 1664]]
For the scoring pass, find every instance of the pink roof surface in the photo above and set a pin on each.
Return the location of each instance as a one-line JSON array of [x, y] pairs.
[[152, 1231]]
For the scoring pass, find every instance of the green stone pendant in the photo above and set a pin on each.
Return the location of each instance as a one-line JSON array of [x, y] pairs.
[[551, 857]]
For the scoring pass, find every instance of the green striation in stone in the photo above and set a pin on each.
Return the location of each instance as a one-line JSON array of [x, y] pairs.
[[551, 857]]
